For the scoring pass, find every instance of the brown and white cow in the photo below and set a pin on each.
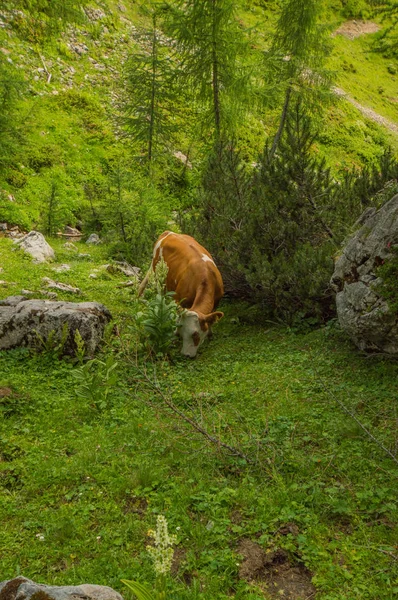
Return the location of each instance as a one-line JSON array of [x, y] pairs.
[[197, 283]]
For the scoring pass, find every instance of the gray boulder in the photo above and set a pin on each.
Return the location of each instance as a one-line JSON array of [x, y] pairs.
[[24, 322], [93, 239], [35, 244], [361, 309], [21, 588]]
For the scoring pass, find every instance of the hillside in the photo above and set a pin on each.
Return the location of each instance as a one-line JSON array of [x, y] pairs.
[[274, 454], [72, 90]]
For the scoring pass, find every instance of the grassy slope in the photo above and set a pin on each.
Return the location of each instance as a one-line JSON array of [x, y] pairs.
[[362, 74], [91, 481], [76, 135]]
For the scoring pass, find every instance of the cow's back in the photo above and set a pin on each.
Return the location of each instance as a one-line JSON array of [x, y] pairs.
[[192, 272]]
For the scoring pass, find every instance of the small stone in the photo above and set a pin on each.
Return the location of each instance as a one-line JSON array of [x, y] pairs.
[[61, 268], [58, 285], [93, 239], [70, 246]]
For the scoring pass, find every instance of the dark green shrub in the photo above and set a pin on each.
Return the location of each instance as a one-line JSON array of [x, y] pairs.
[[269, 229], [274, 229]]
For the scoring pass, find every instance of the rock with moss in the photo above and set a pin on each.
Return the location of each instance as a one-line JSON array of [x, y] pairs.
[[51, 325], [34, 243], [21, 588], [362, 280]]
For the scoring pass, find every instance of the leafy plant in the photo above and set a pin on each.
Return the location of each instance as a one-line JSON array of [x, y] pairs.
[[95, 380], [80, 351], [54, 344], [158, 320]]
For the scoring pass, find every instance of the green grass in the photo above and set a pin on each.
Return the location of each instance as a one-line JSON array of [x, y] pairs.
[[92, 481], [365, 75]]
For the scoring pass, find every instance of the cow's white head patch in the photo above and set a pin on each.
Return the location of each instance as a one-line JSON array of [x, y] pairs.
[[194, 328]]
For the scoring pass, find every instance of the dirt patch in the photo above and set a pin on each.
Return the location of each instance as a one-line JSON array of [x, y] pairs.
[[354, 29], [5, 392], [135, 505], [282, 578]]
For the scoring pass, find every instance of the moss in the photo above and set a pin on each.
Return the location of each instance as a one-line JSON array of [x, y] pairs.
[[9, 591], [388, 288]]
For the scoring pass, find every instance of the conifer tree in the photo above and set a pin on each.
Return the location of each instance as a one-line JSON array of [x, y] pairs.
[[297, 55], [212, 47], [148, 110], [387, 42]]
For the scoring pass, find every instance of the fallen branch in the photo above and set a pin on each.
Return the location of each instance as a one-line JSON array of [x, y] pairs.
[[45, 68], [170, 404]]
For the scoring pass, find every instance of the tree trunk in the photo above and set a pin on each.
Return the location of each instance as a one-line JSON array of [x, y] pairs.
[[282, 122], [215, 79], [153, 95]]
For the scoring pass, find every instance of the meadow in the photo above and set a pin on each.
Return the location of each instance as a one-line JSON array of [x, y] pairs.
[[284, 470]]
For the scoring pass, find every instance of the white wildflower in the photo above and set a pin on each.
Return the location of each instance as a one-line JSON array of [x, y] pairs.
[[162, 552]]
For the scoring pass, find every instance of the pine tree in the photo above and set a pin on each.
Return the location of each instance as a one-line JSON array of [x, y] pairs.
[[212, 47], [271, 230], [387, 41], [148, 109], [297, 55]]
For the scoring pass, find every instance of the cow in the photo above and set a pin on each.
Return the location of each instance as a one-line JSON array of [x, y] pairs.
[[197, 283]]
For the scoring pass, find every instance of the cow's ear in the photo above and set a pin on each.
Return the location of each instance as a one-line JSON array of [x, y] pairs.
[[214, 317]]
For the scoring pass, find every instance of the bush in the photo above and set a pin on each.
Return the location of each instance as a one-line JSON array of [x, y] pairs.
[[269, 235], [133, 213], [274, 231]]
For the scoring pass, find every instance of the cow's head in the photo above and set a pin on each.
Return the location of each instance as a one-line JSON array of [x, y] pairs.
[[194, 327]]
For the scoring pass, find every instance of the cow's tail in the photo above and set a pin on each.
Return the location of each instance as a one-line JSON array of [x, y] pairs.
[[144, 282]]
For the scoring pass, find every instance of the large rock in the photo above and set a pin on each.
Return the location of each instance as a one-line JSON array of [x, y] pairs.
[[362, 311], [23, 322], [21, 588], [35, 244]]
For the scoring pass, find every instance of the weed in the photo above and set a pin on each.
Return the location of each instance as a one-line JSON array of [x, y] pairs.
[[54, 344], [80, 351], [161, 554], [158, 320], [96, 379]]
